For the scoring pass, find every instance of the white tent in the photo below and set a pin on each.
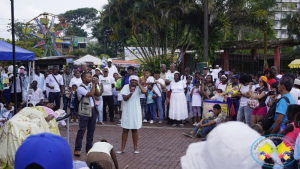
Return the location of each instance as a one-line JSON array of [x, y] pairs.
[[88, 58]]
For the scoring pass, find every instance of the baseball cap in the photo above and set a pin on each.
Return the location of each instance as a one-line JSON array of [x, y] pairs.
[[204, 68], [228, 146], [235, 76], [264, 78], [210, 66], [150, 80], [22, 67], [217, 66], [47, 150], [109, 60]]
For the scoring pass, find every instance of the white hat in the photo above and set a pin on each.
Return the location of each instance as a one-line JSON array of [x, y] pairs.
[[227, 146], [217, 66], [109, 60], [209, 66], [150, 80], [99, 70], [297, 82], [133, 77], [22, 67], [279, 76]]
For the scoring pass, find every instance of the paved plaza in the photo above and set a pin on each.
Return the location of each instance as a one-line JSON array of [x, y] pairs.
[[160, 145]]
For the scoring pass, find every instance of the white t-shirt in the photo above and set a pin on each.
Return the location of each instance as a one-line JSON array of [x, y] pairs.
[[177, 87], [18, 85], [102, 147], [170, 77], [222, 87], [36, 96], [76, 81], [112, 70], [107, 82], [81, 91], [52, 82], [243, 90], [143, 96], [158, 89], [255, 87], [294, 94], [215, 72]]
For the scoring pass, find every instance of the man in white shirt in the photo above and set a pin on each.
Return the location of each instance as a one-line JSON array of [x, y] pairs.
[[244, 111], [19, 87], [108, 100], [170, 75], [293, 92], [39, 77], [55, 83], [85, 122], [37, 96], [111, 68], [186, 74], [216, 71], [158, 87]]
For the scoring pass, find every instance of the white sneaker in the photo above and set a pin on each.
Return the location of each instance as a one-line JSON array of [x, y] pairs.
[[151, 121], [194, 124], [197, 124], [145, 121], [160, 122]]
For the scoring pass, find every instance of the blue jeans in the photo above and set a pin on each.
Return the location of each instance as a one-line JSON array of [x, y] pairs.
[[151, 108], [204, 130], [244, 113], [100, 110], [158, 102], [66, 101]]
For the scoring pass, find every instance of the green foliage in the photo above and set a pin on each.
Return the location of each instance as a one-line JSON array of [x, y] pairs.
[[18, 30], [78, 52], [78, 32], [80, 16]]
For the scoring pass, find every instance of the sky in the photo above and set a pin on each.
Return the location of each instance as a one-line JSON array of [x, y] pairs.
[[28, 9]]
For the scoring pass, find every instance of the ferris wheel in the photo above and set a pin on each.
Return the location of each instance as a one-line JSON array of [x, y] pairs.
[[49, 34]]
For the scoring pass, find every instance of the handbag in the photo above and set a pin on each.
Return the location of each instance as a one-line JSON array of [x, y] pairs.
[[253, 103]]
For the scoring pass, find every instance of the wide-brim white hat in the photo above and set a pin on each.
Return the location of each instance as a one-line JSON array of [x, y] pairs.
[[228, 146]]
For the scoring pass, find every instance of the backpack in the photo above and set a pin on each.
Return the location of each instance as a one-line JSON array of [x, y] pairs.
[[82, 106], [269, 119]]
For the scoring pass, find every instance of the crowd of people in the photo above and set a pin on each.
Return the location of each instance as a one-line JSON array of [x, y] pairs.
[[91, 94]]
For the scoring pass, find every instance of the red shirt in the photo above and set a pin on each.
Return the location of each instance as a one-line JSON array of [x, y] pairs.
[[271, 81]]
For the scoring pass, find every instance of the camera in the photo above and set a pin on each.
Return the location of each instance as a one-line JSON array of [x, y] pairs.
[[270, 93]]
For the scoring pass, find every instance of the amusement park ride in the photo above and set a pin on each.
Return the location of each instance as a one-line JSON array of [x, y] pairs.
[[50, 35]]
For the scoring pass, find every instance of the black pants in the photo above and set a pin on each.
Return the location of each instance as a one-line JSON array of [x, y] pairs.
[[55, 97], [108, 100], [19, 97], [90, 124]]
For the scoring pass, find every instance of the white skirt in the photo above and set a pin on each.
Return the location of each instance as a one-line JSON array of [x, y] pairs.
[[178, 107]]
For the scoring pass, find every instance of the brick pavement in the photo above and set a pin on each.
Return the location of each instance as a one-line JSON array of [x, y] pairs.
[[160, 145]]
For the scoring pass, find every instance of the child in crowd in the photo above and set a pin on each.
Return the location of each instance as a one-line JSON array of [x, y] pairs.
[[6, 112], [151, 95], [72, 107], [143, 96], [207, 124], [196, 102], [291, 131], [116, 91], [189, 86]]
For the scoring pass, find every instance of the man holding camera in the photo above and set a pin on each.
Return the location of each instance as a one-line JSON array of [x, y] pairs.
[[108, 100], [87, 119]]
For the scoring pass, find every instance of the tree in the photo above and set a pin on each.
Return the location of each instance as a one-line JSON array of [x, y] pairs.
[[154, 26], [18, 30], [78, 18]]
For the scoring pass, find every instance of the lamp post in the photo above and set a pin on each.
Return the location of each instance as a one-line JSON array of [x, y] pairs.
[[14, 53]]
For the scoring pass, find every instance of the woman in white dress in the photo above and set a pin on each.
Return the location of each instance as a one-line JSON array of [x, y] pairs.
[[223, 84], [132, 113], [178, 107]]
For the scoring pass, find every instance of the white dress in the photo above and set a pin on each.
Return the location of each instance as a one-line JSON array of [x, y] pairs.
[[178, 107], [196, 98], [132, 112]]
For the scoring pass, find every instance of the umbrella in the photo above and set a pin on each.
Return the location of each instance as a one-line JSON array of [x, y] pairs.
[[295, 63]]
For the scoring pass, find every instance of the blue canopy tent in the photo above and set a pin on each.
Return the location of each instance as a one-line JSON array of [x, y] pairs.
[[6, 53]]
